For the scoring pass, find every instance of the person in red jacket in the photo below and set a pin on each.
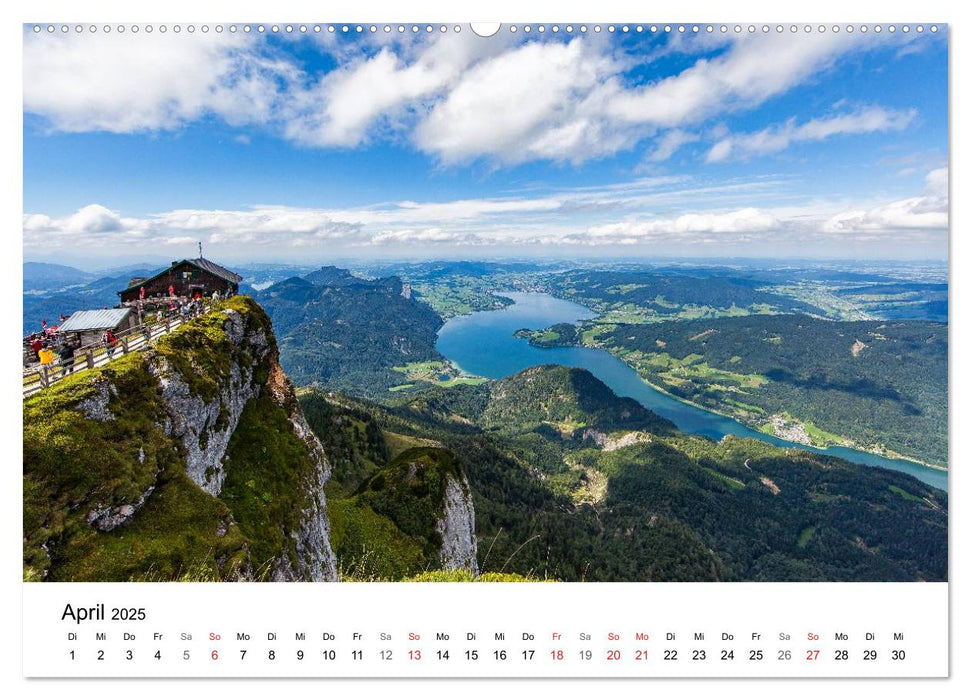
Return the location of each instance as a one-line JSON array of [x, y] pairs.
[[110, 342]]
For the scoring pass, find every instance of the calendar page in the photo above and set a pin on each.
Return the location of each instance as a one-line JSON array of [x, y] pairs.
[[530, 349]]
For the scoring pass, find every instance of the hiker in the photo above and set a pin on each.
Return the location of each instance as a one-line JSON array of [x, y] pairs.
[[171, 290], [215, 295], [46, 356], [110, 341], [67, 359], [141, 292], [35, 345]]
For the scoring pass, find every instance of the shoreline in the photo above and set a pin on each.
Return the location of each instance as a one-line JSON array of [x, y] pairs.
[[853, 446], [795, 445]]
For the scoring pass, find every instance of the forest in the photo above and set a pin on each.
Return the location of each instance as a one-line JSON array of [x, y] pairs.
[[873, 383], [348, 333], [590, 488]]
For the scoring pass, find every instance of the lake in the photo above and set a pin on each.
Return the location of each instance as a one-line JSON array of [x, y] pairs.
[[482, 343]]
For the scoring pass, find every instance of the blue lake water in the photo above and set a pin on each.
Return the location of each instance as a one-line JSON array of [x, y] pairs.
[[482, 343]]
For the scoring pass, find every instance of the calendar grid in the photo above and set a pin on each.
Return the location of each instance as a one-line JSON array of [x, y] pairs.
[[486, 630]]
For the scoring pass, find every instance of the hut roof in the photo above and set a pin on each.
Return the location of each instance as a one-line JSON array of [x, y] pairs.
[[95, 320], [201, 263]]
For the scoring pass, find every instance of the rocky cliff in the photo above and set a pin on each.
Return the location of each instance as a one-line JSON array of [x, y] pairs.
[[191, 460], [457, 526], [424, 494]]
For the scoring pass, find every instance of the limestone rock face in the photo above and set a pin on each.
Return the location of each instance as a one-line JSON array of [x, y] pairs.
[[108, 518], [205, 425], [315, 560], [95, 407], [457, 527]]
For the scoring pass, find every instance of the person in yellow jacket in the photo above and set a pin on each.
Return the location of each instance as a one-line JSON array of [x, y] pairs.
[[46, 356]]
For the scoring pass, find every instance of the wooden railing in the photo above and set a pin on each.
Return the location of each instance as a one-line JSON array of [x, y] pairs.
[[38, 377]]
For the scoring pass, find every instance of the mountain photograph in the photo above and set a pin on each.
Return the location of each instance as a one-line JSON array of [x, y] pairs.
[[556, 306]]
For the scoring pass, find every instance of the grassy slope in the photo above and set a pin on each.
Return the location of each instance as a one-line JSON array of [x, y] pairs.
[[73, 464]]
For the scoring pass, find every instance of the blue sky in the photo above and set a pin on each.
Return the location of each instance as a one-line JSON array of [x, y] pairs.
[[316, 146]]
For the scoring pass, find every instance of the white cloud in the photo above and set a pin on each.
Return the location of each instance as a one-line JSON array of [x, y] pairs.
[[669, 143], [259, 226], [936, 183], [748, 220], [662, 210], [473, 208], [569, 102], [93, 218], [539, 100], [93, 225], [135, 82], [349, 101], [454, 96], [720, 151], [427, 235], [754, 69], [179, 240], [927, 212], [778, 138]]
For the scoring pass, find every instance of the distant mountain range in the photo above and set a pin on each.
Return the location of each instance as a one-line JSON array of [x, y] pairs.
[[45, 276], [54, 299]]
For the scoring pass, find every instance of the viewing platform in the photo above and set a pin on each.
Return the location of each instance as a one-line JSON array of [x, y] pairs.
[[38, 377]]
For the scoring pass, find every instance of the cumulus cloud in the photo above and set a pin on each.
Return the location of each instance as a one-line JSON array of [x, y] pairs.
[[778, 138], [136, 82], [93, 218], [90, 225], [456, 97], [346, 103], [570, 102], [927, 212], [540, 100]]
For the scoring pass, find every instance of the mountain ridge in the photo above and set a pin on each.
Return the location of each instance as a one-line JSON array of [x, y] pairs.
[[350, 336]]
